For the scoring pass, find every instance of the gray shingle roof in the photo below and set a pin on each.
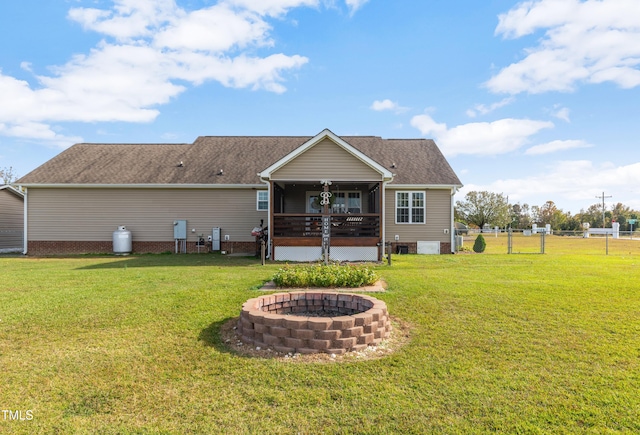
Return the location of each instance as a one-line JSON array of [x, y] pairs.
[[417, 161]]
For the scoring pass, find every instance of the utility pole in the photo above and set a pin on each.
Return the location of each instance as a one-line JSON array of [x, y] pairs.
[[603, 197]]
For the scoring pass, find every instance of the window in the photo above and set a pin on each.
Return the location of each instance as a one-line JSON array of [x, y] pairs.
[[410, 208], [347, 202], [313, 202], [340, 202], [263, 200]]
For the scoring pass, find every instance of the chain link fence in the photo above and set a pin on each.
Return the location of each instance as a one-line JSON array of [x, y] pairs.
[[556, 242]]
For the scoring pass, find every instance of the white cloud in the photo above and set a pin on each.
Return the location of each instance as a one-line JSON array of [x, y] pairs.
[[152, 51], [480, 138], [561, 113], [26, 66], [272, 8], [38, 132], [483, 109], [354, 5], [381, 105], [592, 41], [570, 184], [216, 29], [128, 18], [555, 146]]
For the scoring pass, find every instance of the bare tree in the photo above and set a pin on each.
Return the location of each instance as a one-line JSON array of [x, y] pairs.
[[8, 175]]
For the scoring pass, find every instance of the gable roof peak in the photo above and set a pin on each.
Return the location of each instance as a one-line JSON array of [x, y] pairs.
[[326, 134]]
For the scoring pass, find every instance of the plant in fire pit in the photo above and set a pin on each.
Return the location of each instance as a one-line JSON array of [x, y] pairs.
[[332, 275]]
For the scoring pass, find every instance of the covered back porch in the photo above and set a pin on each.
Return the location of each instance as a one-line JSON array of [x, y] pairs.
[[354, 219], [326, 197]]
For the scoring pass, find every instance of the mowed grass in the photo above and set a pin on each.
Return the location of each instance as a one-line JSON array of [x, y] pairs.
[[558, 244], [499, 343]]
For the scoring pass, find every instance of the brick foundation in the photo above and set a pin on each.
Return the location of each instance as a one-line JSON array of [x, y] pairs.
[[239, 247], [445, 247], [271, 321], [37, 248]]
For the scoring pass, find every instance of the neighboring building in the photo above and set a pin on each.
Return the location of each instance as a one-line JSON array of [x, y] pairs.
[[397, 190], [11, 219]]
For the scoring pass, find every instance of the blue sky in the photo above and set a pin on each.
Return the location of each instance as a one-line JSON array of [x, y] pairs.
[[538, 100]]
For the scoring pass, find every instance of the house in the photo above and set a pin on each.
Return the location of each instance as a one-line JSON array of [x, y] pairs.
[[379, 190], [11, 219]]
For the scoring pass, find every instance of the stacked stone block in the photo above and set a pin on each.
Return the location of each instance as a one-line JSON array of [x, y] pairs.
[[285, 322]]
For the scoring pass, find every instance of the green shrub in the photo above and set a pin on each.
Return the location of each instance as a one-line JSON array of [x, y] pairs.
[[332, 275], [479, 244]]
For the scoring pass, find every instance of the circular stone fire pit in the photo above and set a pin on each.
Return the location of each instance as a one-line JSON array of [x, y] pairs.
[[313, 322]]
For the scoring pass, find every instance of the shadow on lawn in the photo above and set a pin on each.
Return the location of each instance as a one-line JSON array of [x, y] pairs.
[[169, 260], [212, 335]]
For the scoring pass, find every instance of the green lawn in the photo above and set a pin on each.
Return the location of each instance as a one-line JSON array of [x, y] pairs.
[[499, 343]]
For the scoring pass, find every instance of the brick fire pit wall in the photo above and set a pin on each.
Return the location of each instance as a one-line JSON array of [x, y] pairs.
[[287, 323]]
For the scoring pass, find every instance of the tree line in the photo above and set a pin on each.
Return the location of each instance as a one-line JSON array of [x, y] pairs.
[[480, 208]]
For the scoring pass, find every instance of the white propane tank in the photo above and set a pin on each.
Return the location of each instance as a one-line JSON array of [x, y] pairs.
[[122, 241]]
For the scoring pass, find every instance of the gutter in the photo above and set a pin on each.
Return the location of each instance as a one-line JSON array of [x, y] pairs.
[[453, 187], [144, 186]]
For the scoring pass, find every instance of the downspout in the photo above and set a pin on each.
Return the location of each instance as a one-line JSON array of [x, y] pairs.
[[384, 215], [25, 220], [452, 231], [269, 223]]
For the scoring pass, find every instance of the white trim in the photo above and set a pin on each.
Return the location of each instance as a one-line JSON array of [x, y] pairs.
[[258, 200], [423, 186], [452, 225], [411, 207], [146, 186], [307, 207], [12, 189], [24, 230], [326, 134], [269, 223], [383, 208], [346, 198], [314, 253], [298, 253]]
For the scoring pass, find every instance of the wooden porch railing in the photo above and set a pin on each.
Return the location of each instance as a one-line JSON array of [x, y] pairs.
[[309, 225]]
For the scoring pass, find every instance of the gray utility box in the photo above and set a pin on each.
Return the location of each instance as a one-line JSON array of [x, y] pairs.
[[180, 229]]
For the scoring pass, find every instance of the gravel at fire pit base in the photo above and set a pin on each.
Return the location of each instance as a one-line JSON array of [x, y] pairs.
[[399, 336]]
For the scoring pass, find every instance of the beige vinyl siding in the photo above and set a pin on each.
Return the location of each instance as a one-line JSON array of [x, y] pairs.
[[438, 217], [11, 211], [326, 161], [93, 214], [11, 221]]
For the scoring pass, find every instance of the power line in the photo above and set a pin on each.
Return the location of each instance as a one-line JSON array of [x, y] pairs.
[[603, 197]]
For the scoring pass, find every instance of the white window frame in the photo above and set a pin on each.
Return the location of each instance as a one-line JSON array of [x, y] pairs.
[[411, 207], [262, 201], [311, 196], [346, 195], [334, 208]]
